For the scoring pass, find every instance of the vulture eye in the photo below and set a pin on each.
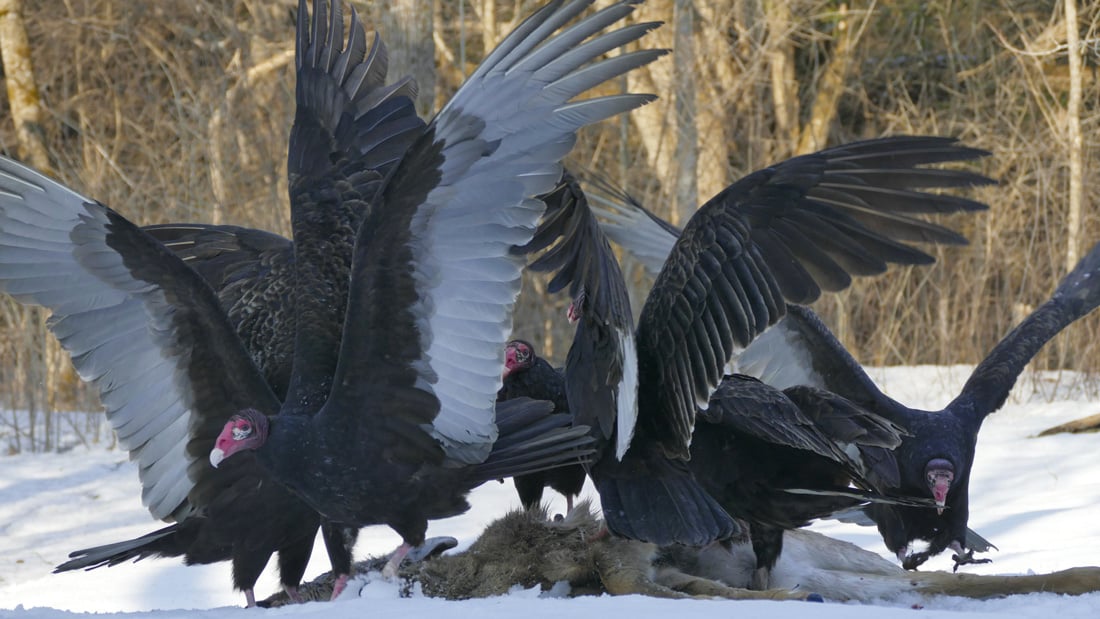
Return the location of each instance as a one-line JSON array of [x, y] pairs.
[[242, 431], [522, 354]]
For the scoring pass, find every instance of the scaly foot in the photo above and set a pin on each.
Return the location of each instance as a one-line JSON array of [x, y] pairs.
[[389, 572], [966, 558], [292, 593], [339, 585]]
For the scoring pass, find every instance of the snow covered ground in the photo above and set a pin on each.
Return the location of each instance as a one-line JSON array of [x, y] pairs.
[[1037, 499]]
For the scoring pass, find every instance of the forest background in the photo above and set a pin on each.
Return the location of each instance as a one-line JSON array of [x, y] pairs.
[[179, 111]]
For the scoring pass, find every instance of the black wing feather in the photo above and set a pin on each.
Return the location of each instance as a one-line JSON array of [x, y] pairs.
[[773, 223]]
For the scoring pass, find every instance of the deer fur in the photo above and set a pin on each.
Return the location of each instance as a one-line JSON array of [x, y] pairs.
[[525, 549]]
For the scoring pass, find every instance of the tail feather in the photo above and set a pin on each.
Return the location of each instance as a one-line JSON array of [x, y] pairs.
[[517, 468], [866, 496], [161, 543], [532, 438], [664, 505], [546, 443]]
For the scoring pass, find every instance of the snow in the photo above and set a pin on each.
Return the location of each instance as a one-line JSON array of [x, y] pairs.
[[1037, 499]]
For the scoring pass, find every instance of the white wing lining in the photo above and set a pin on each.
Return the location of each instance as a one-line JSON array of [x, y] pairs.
[[108, 331]]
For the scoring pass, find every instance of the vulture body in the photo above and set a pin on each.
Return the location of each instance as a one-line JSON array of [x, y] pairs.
[[526, 374], [217, 515], [780, 459], [390, 416], [935, 457], [780, 235], [155, 338]]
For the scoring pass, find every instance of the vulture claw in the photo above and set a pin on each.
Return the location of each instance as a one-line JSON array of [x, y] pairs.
[[967, 558]]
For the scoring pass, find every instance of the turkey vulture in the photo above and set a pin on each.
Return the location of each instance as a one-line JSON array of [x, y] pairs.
[[400, 422], [220, 522], [528, 375], [935, 460], [780, 459], [150, 333], [780, 235], [753, 444]]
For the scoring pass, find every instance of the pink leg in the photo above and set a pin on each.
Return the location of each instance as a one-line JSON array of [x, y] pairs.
[[390, 571], [249, 598], [339, 585], [292, 593]]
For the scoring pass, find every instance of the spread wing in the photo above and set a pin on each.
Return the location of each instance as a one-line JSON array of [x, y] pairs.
[[140, 326], [778, 236], [797, 350], [434, 278]]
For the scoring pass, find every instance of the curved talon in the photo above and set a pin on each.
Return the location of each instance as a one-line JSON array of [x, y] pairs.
[[967, 558], [915, 560], [431, 548]]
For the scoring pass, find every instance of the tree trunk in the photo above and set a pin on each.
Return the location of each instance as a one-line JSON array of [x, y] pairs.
[[490, 30], [719, 79], [26, 111], [1073, 130], [687, 135], [407, 27], [781, 65], [831, 85], [216, 127], [23, 97], [651, 122]]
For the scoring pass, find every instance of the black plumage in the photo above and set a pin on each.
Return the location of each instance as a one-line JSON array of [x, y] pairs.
[[528, 375], [155, 337], [252, 275], [252, 272], [249, 519], [780, 235], [936, 461], [390, 416], [935, 457], [780, 459]]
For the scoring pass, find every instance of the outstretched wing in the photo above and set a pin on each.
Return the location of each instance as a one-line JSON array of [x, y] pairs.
[[647, 237], [230, 258], [342, 102], [797, 350], [778, 236], [434, 278], [602, 365], [140, 325], [801, 350]]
